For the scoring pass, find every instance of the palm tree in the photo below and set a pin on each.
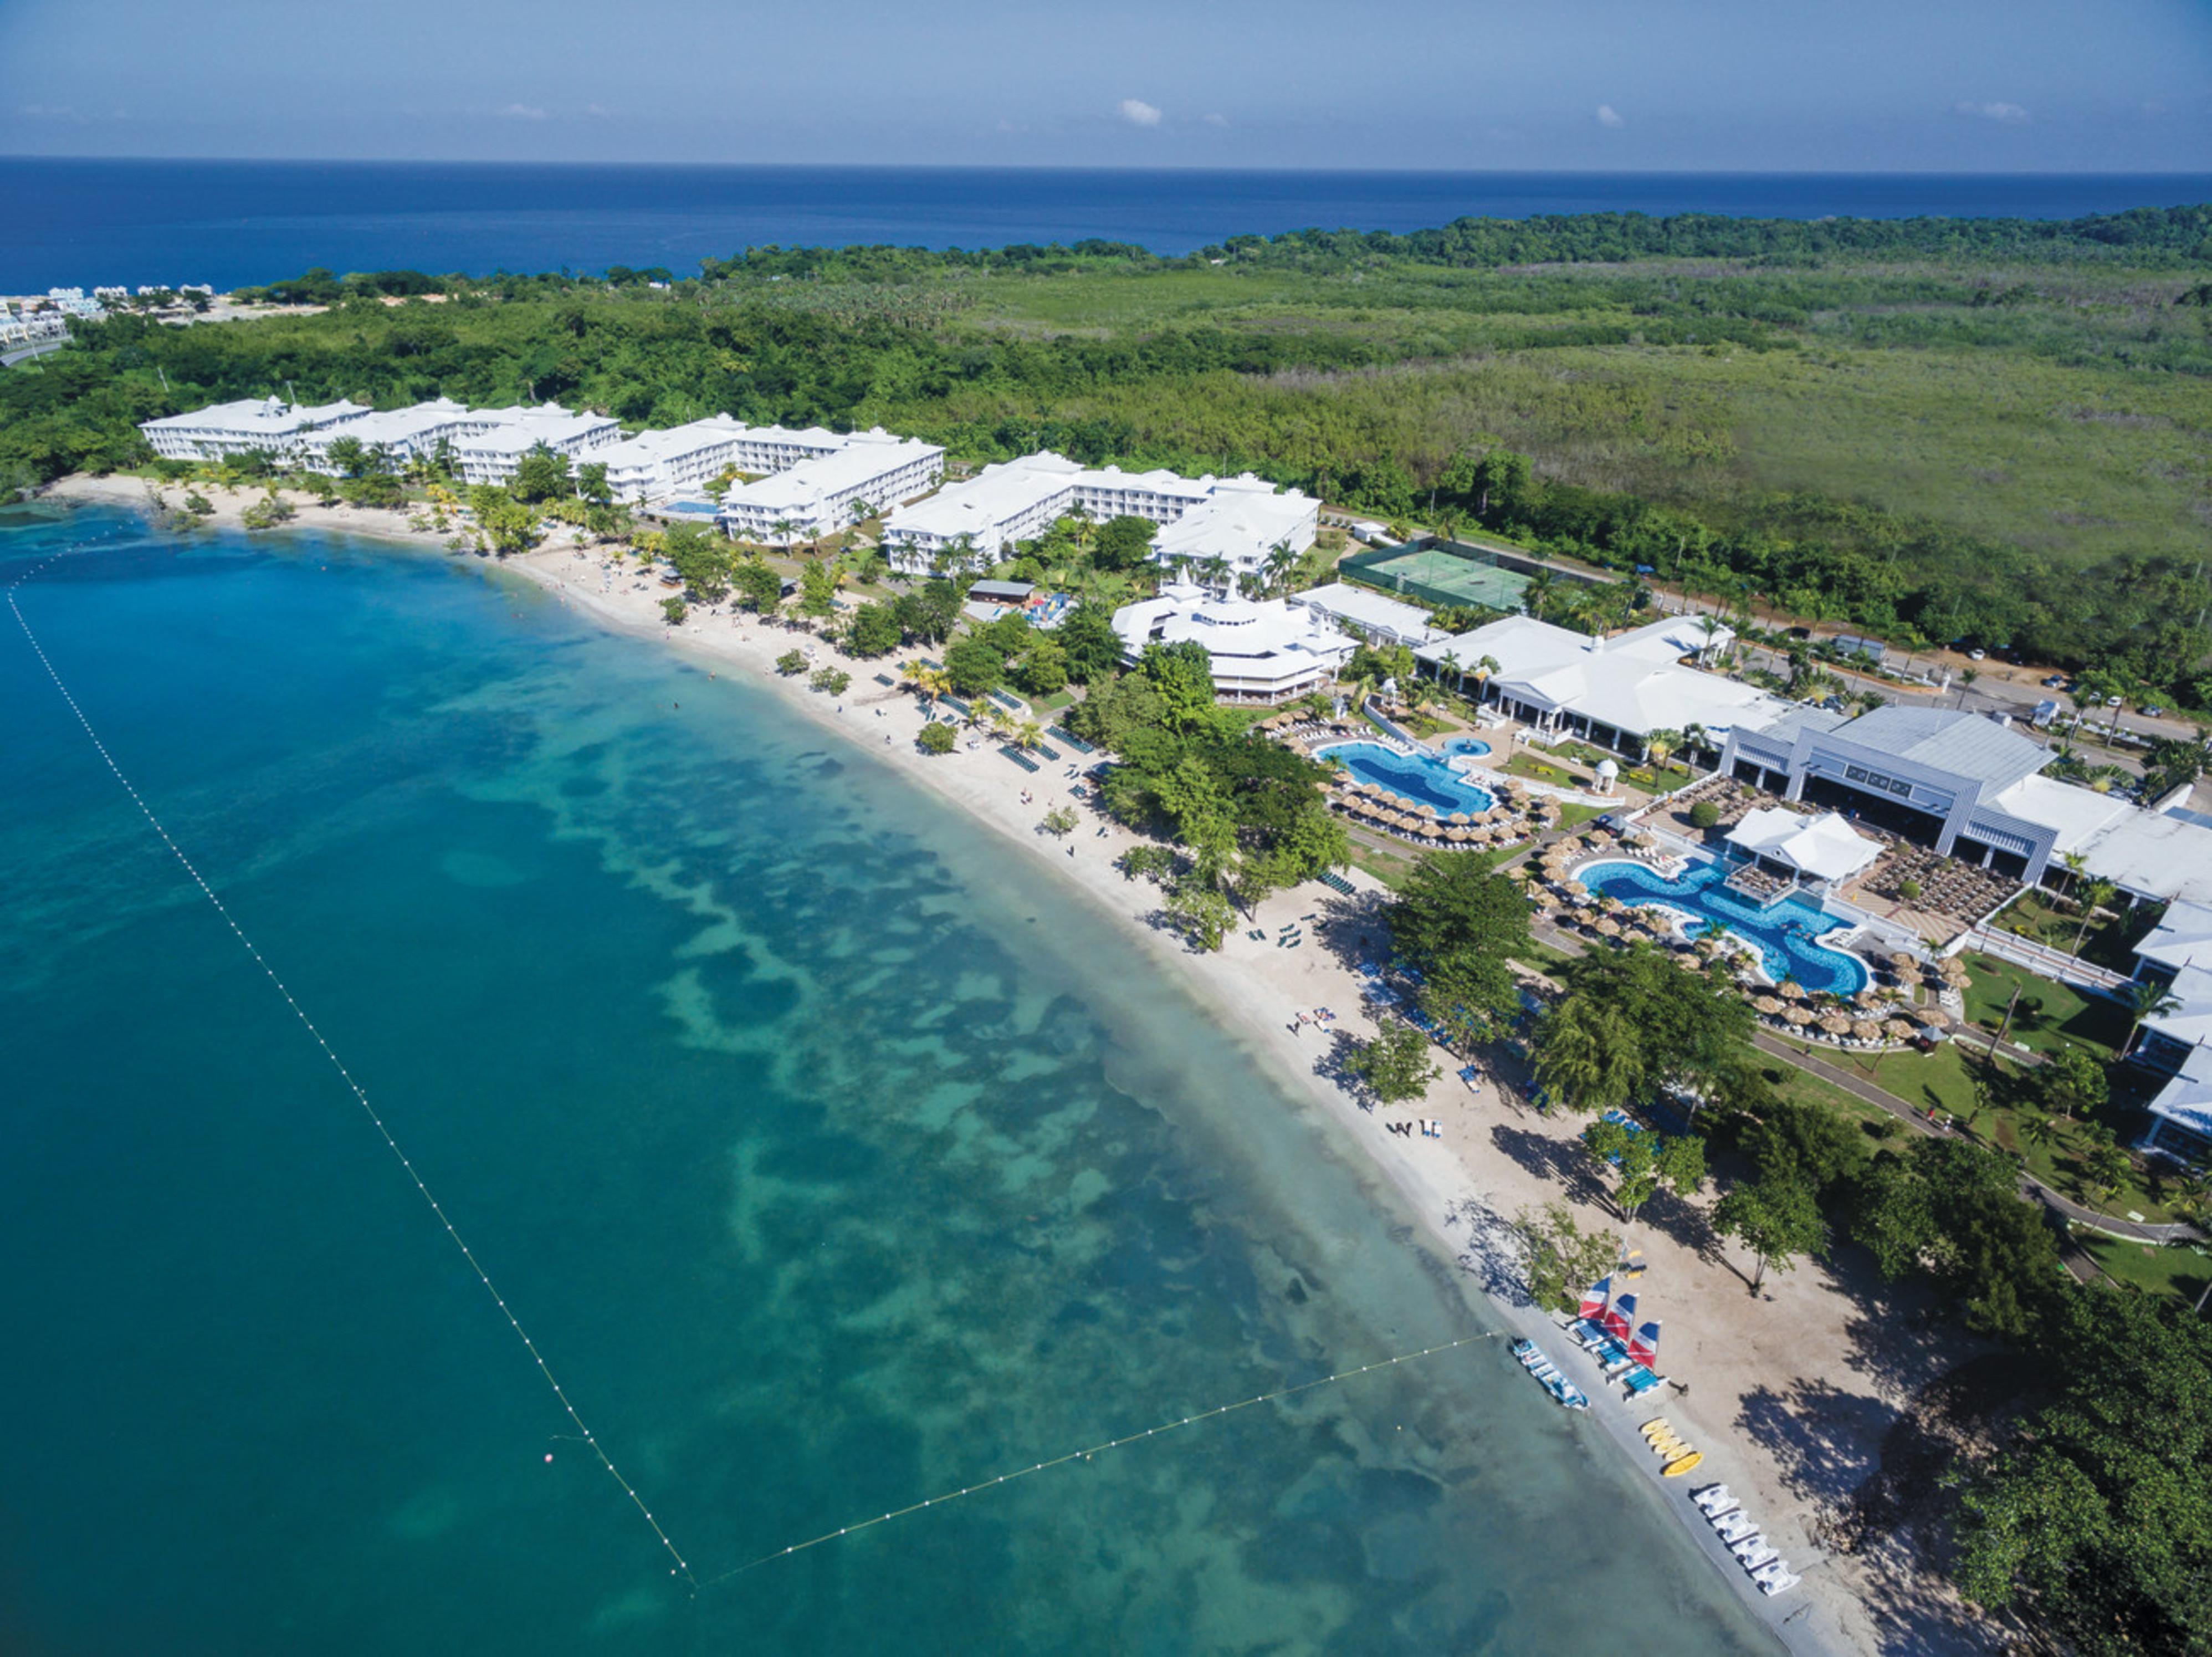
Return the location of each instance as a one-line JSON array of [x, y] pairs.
[[2039, 1130], [783, 529], [1710, 627], [1696, 739], [1536, 597], [2148, 998], [2092, 898], [1658, 745], [1030, 735], [1484, 667], [1281, 563]]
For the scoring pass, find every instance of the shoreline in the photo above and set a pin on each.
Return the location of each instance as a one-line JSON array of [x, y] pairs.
[[1776, 1369]]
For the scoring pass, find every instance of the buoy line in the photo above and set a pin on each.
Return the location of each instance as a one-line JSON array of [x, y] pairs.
[[683, 1567], [982, 1485]]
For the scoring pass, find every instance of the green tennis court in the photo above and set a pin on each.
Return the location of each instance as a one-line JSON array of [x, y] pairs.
[[1449, 579]]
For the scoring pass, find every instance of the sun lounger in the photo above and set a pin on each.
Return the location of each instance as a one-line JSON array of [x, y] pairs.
[[1755, 1553], [1736, 1526], [1714, 1500], [1640, 1380], [1775, 1579]]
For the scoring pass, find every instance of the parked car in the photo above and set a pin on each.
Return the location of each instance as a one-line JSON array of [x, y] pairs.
[[1978, 656], [2153, 713], [2056, 682]]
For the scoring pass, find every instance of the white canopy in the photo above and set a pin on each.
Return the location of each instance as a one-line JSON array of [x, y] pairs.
[[1824, 847]]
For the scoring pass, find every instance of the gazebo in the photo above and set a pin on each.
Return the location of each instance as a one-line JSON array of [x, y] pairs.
[[1824, 849]]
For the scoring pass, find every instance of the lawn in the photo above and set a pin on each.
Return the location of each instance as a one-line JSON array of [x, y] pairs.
[[2182, 1272], [2108, 943], [1536, 770], [2048, 1015], [1386, 867]]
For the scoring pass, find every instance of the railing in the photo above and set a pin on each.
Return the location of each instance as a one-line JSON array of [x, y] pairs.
[[2044, 959]]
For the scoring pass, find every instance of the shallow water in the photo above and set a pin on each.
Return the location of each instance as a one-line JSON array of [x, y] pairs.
[[833, 1158]]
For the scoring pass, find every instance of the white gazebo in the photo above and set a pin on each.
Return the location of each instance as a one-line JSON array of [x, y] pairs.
[[1824, 848]]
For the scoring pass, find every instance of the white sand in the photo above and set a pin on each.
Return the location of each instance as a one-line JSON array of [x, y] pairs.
[[1787, 1395]]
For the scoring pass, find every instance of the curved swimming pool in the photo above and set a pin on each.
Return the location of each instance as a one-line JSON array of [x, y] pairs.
[[1418, 779], [1787, 935]]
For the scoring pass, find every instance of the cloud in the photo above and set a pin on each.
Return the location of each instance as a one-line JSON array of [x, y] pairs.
[[1216, 120], [2010, 114], [597, 110], [523, 113], [1608, 115], [1137, 112], [49, 112]]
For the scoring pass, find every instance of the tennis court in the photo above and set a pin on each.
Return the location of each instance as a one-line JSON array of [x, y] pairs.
[[1444, 577]]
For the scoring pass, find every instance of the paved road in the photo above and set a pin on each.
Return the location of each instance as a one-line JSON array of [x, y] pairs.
[[24, 353]]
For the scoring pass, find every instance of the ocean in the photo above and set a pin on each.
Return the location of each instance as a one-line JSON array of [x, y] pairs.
[[88, 223], [833, 1159]]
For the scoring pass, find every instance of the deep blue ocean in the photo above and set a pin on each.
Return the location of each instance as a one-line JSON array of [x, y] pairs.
[[88, 223], [833, 1159]]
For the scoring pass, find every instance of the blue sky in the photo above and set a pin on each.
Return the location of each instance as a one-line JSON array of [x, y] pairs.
[[1754, 85]]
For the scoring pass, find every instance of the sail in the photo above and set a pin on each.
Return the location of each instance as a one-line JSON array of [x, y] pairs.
[[1595, 1297], [1644, 1346], [1621, 1317]]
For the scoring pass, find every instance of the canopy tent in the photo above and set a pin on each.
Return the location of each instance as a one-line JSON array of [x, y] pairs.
[[1824, 847]]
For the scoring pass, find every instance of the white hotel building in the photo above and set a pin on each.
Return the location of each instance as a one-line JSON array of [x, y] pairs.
[[491, 456], [1239, 520], [1259, 650], [403, 435], [222, 430], [815, 498]]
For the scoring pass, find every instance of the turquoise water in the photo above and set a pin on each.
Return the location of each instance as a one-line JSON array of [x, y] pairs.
[[833, 1159], [1417, 780], [1786, 933], [1470, 746]]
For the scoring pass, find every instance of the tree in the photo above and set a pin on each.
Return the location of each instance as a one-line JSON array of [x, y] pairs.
[[1182, 673], [1196, 905], [270, 510], [1643, 1162], [1043, 670], [936, 738], [759, 588], [1394, 1065], [1461, 925], [1778, 1218], [540, 475], [1559, 1258], [1587, 1056], [831, 681], [672, 610], [2091, 898], [2104, 1164], [1087, 638], [2148, 998], [2072, 1083], [874, 631], [592, 483], [1060, 822], [975, 665], [791, 663], [1123, 543], [818, 589], [701, 558]]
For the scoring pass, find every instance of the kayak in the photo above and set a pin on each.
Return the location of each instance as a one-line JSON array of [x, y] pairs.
[[1681, 1464]]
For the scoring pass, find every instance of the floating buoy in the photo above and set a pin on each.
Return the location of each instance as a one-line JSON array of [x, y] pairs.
[[548, 1455]]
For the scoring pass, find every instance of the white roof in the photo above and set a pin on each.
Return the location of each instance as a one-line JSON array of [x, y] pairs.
[[390, 426], [650, 448], [2182, 936], [1241, 631], [1825, 846], [2078, 814], [853, 466], [1370, 610], [1634, 682], [2190, 1023], [2152, 855], [988, 499], [1240, 524], [260, 417], [548, 423], [2188, 1098]]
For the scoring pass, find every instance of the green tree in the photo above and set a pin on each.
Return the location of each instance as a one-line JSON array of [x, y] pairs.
[[1461, 925], [540, 475], [875, 631], [818, 589], [1394, 1065], [1123, 543], [1183, 674], [1777, 1217], [592, 483], [701, 558], [791, 663], [975, 664], [2104, 1164], [831, 681], [759, 588], [1060, 822], [672, 610], [936, 738], [1087, 638], [2071, 1082], [1198, 908], [1588, 1056], [1559, 1257], [1043, 670]]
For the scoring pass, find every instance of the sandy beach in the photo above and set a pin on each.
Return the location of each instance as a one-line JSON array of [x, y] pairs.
[[1790, 1394]]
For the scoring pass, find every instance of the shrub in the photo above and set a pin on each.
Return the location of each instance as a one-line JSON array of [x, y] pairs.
[[1704, 814], [937, 737], [790, 662], [1908, 890], [674, 610], [831, 681]]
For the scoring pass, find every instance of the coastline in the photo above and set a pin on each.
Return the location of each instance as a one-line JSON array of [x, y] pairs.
[[1788, 1397]]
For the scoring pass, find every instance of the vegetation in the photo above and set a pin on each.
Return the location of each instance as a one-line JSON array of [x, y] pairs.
[[1982, 430], [1644, 1163], [1632, 1025], [1560, 1257], [1395, 1066], [936, 738], [1459, 926]]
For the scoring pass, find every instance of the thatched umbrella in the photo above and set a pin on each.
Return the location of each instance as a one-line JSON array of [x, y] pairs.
[[1897, 1029], [1867, 997], [1587, 916], [1791, 989], [1835, 1024], [1955, 970], [1518, 871], [1767, 1005], [1800, 1016], [1866, 1030], [1933, 1018], [1905, 963], [1458, 837], [1607, 927]]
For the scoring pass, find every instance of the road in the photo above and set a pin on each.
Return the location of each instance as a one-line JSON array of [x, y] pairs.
[[25, 353]]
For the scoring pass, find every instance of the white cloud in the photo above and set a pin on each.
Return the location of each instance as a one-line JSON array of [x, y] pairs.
[[1608, 115], [523, 113], [48, 112], [1216, 120], [2011, 114], [1137, 112], [597, 109]]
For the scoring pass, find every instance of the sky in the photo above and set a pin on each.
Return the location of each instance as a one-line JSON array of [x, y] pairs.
[[1601, 85]]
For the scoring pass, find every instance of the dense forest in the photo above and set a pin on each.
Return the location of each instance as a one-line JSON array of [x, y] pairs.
[[1985, 431]]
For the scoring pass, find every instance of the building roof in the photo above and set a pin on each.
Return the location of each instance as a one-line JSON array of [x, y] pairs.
[[1370, 610], [1634, 682], [1946, 740], [260, 417], [2182, 936], [1248, 637], [394, 426], [1002, 592], [2152, 855], [1782, 729], [2187, 1099], [2190, 1023], [1825, 846], [1237, 522], [548, 423], [651, 448], [988, 499], [802, 488], [2078, 814]]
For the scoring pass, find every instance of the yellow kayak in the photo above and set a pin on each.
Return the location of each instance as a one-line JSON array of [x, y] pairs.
[[1653, 1425], [1681, 1464]]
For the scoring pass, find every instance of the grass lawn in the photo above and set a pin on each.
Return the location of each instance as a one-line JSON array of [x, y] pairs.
[[1386, 867], [1536, 770], [2049, 1015], [2036, 915], [1573, 814], [2181, 1272]]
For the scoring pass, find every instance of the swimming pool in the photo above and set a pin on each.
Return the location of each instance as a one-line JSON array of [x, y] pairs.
[[1785, 933], [1421, 779]]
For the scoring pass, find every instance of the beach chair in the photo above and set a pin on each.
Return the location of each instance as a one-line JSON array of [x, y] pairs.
[[1714, 1500], [1755, 1553], [1775, 1579], [1736, 1527]]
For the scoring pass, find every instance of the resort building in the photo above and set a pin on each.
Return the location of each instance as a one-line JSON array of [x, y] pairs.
[[2177, 1043], [655, 465], [817, 497], [1259, 650], [402, 435], [1970, 787], [490, 456], [1232, 524], [267, 425], [1783, 851], [1366, 614], [1614, 693]]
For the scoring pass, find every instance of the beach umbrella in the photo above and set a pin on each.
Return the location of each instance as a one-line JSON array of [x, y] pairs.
[[1607, 927], [1799, 1016], [1518, 871], [1867, 997], [1835, 1024], [1897, 1029], [1866, 1029], [1575, 889], [1458, 836], [1462, 817], [1955, 969], [1933, 1018], [1767, 1004], [1905, 963], [1790, 989]]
